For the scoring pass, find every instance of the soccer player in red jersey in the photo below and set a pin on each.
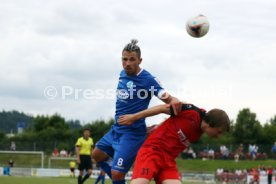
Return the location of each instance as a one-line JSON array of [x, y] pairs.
[[156, 157]]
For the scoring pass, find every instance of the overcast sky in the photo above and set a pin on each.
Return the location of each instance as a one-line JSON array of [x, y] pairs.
[[76, 45]]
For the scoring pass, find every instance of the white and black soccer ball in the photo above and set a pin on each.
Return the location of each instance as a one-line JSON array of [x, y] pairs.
[[197, 26]]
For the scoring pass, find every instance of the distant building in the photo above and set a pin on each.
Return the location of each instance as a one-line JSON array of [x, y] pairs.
[[20, 127]]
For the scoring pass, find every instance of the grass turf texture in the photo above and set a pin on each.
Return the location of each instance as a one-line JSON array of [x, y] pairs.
[[183, 165], [37, 180]]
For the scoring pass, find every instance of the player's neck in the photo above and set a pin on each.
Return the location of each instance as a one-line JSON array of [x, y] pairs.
[[138, 71]]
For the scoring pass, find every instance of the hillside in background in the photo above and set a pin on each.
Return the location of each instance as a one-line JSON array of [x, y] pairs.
[[10, 119]]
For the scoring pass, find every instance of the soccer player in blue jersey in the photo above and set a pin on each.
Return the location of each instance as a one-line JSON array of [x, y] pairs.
[[134, 91]]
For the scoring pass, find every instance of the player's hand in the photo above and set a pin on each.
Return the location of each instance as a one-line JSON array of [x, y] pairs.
[[78, 160], [176, 105], [150, 129], [127, 119]]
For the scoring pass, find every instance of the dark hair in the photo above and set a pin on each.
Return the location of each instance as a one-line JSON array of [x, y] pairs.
[[217, 118], [85, 129], [132, 47]]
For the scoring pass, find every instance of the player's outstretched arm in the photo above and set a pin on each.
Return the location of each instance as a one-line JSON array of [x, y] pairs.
[[130, 118], [173, 101]]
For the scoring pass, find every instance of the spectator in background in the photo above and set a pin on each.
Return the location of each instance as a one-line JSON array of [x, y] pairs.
[[254, 151], [205, 152], [274, 174], [256, 148], [220, 174], [13, 146], [274, 150], [250, 148], [236, 157], [224, 152], [222, 149], [256, 175], [189, 153], [11, 163], [262, 170], [211, 154], [6, 171], [238, 172], [239, 153], [63, 153], [69, 153], [269, 174], [219, 171], [55, 153]]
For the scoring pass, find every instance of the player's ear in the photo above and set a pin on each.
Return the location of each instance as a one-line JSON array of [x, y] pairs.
[[140, 61]]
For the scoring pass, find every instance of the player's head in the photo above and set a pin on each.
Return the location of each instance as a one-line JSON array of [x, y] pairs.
[[131, 58], [86, 132], [215, 123]]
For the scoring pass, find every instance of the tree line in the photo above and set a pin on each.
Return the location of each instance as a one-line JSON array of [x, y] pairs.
[[44, 132]]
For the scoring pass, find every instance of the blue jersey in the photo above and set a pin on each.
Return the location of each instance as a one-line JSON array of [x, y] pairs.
[[133, 95]]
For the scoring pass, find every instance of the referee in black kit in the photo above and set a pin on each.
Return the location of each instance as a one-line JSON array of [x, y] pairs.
[[84, 147]]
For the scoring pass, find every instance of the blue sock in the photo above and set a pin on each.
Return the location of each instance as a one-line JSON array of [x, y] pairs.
[[98, 179], [106, 167], [103, 178], [119, 182]]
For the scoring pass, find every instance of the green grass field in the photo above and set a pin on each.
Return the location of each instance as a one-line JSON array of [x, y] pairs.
[[37, 180], [183, 165]]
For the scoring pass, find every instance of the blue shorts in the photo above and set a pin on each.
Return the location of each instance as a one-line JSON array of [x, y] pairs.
[[122, 148]]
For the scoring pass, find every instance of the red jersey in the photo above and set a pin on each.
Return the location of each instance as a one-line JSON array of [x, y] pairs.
[[270, 171], [177, 132]]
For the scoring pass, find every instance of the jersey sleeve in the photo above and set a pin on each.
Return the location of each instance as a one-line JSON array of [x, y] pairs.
[[156, 88], [78, 143]]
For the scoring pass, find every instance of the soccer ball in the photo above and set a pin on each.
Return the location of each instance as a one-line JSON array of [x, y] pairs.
[[197, 26]]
